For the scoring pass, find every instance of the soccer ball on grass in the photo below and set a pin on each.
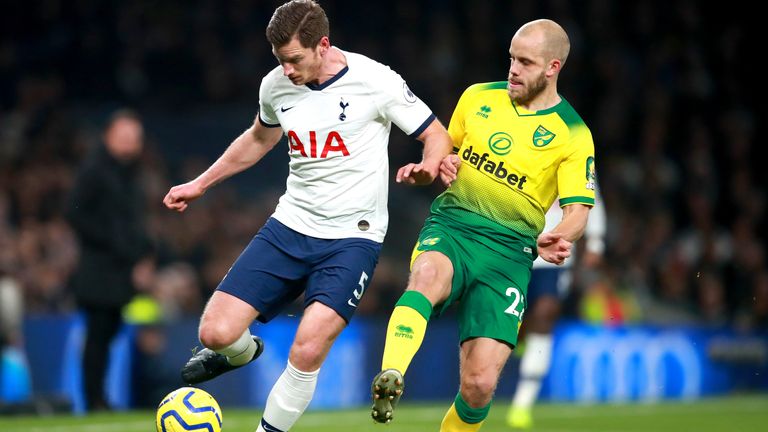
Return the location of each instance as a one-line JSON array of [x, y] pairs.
[[186, 409]]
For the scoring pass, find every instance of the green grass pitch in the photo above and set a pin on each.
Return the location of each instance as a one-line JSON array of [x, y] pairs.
[[738, 413]]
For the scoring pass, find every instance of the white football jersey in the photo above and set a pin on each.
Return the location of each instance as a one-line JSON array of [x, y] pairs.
[[338, 133]]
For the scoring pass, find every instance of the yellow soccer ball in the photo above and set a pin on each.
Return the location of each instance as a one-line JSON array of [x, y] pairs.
[[189, 409]]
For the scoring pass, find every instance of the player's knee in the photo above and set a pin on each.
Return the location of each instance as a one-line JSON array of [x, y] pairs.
[[477, 388], [307, 355], [216, 334], [427, 278]]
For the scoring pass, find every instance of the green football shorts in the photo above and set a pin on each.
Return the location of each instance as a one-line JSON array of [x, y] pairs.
[[490, 280]]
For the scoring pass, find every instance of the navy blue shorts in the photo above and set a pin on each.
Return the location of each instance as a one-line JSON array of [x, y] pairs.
[[280, 263], [546, 281]]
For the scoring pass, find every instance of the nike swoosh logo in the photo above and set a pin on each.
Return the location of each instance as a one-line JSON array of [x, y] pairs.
[[349, 302], [285, 109], [268, 427]]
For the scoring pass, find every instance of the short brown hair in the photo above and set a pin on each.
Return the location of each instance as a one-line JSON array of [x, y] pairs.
[[302, 18]]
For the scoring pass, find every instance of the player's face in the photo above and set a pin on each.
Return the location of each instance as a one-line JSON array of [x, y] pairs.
[[527, 77], [301, 65]]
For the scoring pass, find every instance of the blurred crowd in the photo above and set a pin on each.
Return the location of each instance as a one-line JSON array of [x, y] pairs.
[[662, 89]]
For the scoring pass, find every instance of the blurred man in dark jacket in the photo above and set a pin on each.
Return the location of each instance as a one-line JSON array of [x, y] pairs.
[[106, 211]]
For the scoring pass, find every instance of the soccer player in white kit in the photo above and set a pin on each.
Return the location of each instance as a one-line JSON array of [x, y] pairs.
[[324, 238], [549, 284]]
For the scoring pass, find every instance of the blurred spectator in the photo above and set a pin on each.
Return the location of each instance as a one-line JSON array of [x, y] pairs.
[[603, 304], [106, 213]]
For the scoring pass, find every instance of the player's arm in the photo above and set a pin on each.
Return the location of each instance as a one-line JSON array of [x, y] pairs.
[[242, 153], [555, 246], [437, 145], [574, 222]]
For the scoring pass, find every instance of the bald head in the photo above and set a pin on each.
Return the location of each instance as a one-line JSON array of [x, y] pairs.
[[550, 38]]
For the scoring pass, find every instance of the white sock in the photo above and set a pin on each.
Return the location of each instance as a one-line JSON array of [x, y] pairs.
[[288, 399], [533, 367], [240, 352]]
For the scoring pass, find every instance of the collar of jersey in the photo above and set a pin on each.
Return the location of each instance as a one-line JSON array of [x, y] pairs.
[[330, 81], [522, 112]]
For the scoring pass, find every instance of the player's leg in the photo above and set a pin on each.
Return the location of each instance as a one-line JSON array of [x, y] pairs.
[[482, 360], [261, 281], [224, 332], [340, 273], [489, 316], [293, 391], [429, 284], [537, 357]]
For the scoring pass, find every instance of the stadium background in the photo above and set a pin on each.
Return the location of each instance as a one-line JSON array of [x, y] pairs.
[[666, 89]]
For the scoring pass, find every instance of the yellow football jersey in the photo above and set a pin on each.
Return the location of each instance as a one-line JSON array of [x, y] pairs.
[[515, 163]]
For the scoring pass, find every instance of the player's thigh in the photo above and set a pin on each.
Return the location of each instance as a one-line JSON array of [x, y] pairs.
[[495, 302], [340, 275], [432, 275], [270, 272], [437, 266], [224, 319]]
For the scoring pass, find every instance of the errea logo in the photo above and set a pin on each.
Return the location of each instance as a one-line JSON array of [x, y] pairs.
[[484, 111], [403, 331]]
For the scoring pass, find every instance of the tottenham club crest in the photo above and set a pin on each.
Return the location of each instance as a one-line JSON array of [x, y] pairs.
[[343, 106]]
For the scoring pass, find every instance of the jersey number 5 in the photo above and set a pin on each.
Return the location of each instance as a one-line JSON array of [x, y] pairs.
[[363, 279]]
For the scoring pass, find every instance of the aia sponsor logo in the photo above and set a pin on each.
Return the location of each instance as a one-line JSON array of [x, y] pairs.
[[332, 143]]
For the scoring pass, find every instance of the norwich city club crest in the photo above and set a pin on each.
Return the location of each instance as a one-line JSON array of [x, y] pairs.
[[542, 136]]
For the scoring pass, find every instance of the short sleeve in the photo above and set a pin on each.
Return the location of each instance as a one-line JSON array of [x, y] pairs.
[[267, 115], [456, 128], [401, 106], [576, 176]]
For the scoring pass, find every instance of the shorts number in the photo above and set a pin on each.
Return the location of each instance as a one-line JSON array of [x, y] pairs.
[[512, 309], [363, 278]]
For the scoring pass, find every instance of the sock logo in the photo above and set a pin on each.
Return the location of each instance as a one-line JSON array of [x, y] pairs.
[[403, 331]]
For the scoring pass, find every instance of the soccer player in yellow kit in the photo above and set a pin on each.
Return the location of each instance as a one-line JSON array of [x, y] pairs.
[[519, 145]]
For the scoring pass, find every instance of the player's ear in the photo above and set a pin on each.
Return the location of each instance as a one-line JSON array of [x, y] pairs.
[[324, 45], [554, 67]]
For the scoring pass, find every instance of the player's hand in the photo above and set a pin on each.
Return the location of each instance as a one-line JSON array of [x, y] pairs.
[[449, 168], [552, 247], [179, 197], [417, 174]]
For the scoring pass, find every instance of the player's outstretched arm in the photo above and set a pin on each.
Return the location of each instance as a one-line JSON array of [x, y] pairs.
[[437, 145], [244, 152]]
